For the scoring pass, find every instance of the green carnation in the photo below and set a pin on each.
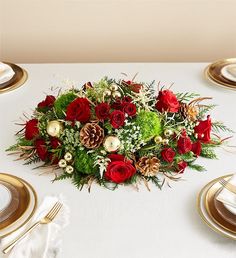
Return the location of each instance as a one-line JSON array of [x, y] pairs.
[[149, 123], [62, 102], [84, 163]]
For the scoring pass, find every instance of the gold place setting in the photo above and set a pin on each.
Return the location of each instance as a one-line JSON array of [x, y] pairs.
[[222, 73], [12, 77], [23, 222]]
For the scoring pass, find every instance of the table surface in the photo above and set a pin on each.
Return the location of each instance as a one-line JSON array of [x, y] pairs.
[[126, 223]]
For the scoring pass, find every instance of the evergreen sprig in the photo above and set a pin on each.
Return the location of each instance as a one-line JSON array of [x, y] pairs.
[[219, 126], [187, 96]]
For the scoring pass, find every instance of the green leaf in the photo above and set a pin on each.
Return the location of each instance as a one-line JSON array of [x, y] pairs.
[[219, 126], [208, 153], [196, 167], [187, 96]]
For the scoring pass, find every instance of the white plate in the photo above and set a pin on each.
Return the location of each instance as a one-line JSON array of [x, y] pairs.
[[225, 71], [206, 218], [26, 216], [6, 73], [5, 197]]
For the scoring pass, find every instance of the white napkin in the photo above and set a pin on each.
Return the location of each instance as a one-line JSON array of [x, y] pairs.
[[227, 197], [45, 240], [6, 73]]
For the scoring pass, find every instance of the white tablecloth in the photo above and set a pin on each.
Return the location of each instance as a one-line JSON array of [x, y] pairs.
[[126, 223]]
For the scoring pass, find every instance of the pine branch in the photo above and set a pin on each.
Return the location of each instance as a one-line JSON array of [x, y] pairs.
[[62, 177], [219, 126], [208, 153], [155, 180], [206, 109], [32, 160], [187, 96], [196, 167]]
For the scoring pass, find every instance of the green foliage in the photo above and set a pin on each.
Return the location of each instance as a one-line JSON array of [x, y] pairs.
[[62, 177], [149, 123], [208, 153], [196, 167], [155, 180], [187, 96], [219, 126], [84, 162], [188, 157], [205, 109], [62, 102], [96, 93]]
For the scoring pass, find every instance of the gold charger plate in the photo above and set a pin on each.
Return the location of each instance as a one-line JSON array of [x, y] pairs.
[[27, 204], [213, 73], [16, 81], [207, 213]]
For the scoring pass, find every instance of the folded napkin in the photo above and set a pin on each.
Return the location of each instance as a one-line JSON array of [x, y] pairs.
[[227, 197], [6, 73], [45, 240]]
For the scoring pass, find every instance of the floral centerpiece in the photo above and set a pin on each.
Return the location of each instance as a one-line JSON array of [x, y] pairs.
[[119, 132]]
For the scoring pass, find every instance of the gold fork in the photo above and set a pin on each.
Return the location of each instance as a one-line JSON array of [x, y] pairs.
[[47, 219], [228, 186]]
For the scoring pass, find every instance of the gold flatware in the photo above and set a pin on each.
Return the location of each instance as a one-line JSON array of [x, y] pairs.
[[228, 186], [45, 220]]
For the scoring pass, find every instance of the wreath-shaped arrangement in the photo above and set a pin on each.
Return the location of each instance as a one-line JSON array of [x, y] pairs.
[[119, 132]]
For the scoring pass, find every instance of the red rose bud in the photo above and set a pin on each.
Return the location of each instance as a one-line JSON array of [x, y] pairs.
[[168, 154], [117, 119], [47, 103], [184, 144], [87, 85], [130, 109], [135, 87], [181, 166], [55, 143], [197, 148], [167, 101], [78, 110], [102, 111], [41, 149], [116, 157], [118, 104], [203, 130], [127, 99], [31, 129], [119, 171], [54, 159]]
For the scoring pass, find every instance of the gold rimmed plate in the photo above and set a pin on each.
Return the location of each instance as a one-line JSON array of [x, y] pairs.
[[207, 209], [16, 81], [215, 73], [21, 206]]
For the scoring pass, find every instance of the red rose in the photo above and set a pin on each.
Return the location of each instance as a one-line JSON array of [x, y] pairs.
[[203, 130], [47, 103], [181, 166], [117, 119], [55, 143], [102, 111], [54, 159], [78, 110], [119, 171], [135, 87], [197, 148], [31, 129], [118, 104], [184, 143], [130, 109], [127, 99], [168, 154], [116, 157], [41, 149], [167, 101]]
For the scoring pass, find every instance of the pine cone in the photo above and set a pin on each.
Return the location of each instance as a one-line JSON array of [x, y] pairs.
[[91, 135], [148, 166], [189, 111]]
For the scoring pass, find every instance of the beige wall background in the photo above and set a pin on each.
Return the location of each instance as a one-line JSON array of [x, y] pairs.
[[117, 30]]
